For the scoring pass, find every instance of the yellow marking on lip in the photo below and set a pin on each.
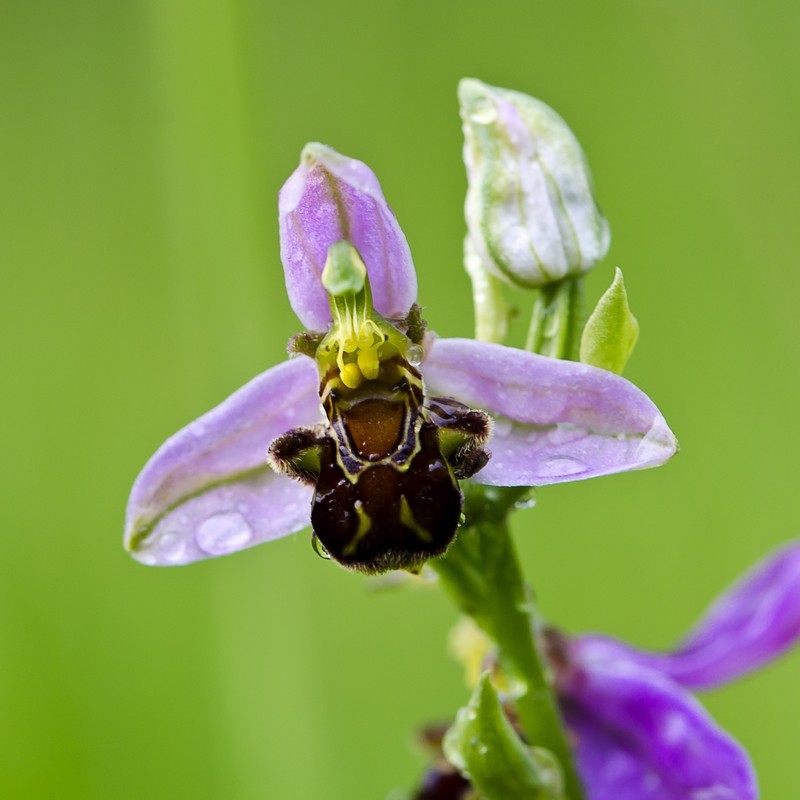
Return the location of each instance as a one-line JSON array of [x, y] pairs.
[[364, 526], [407, 518]]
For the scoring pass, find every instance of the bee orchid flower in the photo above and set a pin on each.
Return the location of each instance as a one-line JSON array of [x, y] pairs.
[[368, 438]]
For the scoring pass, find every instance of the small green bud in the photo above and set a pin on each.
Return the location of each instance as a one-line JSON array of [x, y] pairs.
[[611, 331], [530, 210], [484, 747]]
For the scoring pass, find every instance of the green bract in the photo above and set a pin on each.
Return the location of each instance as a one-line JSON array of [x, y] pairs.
[[482, 744], [611, 331]]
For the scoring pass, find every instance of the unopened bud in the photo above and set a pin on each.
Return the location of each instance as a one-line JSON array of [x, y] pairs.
[[530, 209]]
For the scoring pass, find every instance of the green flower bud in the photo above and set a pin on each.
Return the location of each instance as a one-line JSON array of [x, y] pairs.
[[530, 210]]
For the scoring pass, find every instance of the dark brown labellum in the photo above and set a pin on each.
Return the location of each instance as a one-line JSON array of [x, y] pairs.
[[385, 469]]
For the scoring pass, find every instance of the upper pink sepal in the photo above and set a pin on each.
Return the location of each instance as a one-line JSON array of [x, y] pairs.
[[328, 198]]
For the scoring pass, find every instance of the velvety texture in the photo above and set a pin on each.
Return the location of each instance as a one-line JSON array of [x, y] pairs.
[[747, 626], [208, 490], [330, 197], [554, 421]]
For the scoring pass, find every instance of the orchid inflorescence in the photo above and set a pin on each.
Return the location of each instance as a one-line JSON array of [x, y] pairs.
[[375, 428]]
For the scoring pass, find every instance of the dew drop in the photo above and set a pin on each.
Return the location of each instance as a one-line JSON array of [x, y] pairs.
[[561, 465], [319, 548], [223, 533], [462, 518], [414, 355], [529, 501], [483, 113], [169, 548]]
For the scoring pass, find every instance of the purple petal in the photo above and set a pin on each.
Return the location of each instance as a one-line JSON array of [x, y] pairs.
[[749, 625], [330, 197], [746, 627], [555, 420], [208, 490], [641, 736]]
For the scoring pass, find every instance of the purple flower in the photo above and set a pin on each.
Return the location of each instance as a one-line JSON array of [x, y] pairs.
[[209, 491], [639, 733]]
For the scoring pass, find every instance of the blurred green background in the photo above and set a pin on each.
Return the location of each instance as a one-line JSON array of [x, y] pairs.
[[143, 145]]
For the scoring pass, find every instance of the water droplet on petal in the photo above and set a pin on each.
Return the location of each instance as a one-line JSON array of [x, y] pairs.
[[224, 533], [169, 548], [462, 518], [558, 466], [319, 548]]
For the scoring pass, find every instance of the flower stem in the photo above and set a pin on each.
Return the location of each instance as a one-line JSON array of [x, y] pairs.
[[557, 320], [482, 574]]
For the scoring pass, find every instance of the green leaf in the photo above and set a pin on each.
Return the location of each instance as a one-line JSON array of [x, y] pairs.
[[611, 331], [483, 746]]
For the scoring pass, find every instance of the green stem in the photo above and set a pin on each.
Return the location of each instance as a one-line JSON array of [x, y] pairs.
[[491, 309], [482, 574], [557, 321]]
